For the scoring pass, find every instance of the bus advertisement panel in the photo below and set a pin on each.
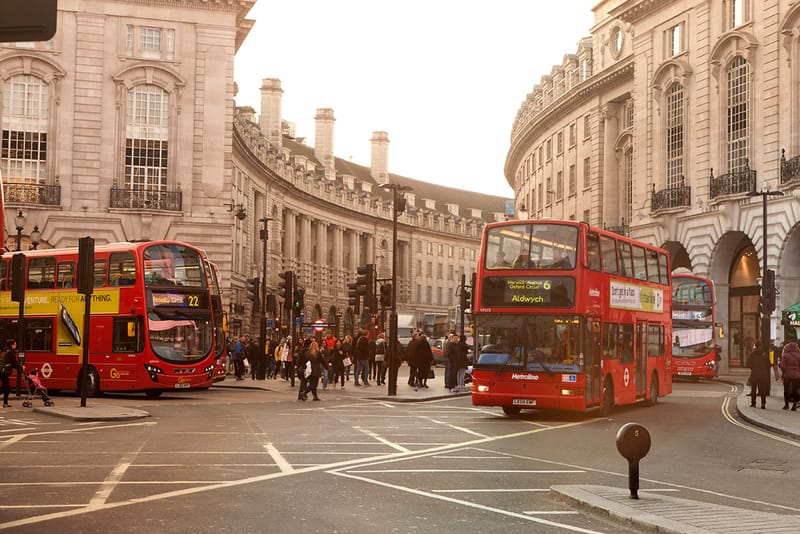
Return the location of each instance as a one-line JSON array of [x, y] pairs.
[[693, 326], [152, 325], [580, 320]]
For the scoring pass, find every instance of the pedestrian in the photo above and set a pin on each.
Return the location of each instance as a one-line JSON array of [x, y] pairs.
[[373, 365], [790, 371], [238, 357], [254, 356], [425, 360], [717, 359], [312, 370], [380, 359], [301, 359], [325, 357], [449, 353], [10, 363], [412, 356], [347, 348], [462, 362], [362, 359], [759, 375], [337, 363], [287, 357]]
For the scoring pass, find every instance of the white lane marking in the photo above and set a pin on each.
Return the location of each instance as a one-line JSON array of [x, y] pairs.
[[494, 490], [467, 504], [278, 458], [381, 439], [499, 471], [727, 413], [459, 428], [26, 435], [114, 478], [553, 512]]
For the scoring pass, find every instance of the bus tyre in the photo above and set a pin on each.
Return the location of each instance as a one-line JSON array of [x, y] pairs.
[[607, 398], [153, 393], [93, 383], [511, 410], [652, 398]]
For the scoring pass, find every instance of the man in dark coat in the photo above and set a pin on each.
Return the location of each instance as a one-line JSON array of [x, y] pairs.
[[412, 356], [424, 360], [759, 375]]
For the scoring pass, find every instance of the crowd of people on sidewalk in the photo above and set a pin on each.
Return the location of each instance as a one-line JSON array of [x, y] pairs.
[[784, 364], [330, 361]]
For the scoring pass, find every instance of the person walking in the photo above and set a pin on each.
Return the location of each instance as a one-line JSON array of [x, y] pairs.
[[450, 355], [312, 370], [10, 364], [380, 359], [254, 356], [301, 361], [790, 371], [238, 358], [362, 359], [425, 355], [349, 358], [337, 363], [412, 356], [462, 362], [759, 375]]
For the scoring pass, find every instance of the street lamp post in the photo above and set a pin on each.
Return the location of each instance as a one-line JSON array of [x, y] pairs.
[[398, 206], [765, 312], [261, 369], [19, 223]]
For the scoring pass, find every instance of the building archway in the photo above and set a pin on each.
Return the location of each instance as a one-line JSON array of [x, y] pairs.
[[678, 256]]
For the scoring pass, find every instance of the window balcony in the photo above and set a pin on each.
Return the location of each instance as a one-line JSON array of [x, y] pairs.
[[790, 169], [733, 183], [25, 193], [673, 197], [622, 229], [147, 199]]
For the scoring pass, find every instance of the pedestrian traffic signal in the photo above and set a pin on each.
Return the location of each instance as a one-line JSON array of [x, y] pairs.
[[252, 290], [386, 295], [352, 296], [286, 286], [366, 285], [299, 298]]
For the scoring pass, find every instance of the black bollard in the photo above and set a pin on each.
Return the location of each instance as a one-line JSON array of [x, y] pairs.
[[633, 443]]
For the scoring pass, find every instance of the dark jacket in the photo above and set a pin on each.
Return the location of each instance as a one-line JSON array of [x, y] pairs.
[[790, 362], [362, 348]]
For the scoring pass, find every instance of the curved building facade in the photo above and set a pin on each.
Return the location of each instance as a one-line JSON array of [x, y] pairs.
[[675, 123]]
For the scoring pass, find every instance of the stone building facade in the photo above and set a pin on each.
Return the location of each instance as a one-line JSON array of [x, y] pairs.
[[124, 127], [666, 124]]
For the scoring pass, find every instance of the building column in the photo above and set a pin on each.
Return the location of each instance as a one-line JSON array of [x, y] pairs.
[[610, 201]]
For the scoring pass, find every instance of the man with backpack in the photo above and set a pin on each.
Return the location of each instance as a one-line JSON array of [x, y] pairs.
[[362, 359]]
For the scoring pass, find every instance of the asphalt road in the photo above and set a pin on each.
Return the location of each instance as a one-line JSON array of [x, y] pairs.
[[254, 461]]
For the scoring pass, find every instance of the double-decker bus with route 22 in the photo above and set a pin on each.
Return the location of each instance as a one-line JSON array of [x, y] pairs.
[[569, 317], [152, 325], [693, 350]]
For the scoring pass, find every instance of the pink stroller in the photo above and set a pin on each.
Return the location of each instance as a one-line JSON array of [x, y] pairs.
[[36, 389]]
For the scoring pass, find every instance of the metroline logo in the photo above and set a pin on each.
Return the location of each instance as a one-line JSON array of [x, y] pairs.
[[524, 376]]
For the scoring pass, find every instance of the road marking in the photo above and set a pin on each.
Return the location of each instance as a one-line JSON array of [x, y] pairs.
[[494, 490], [554, 512], [728, 415], [459, 428], [383, 440], [499, 471], [280, 461]]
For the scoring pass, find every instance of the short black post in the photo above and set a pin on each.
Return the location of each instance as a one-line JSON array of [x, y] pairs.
[[633, 443]]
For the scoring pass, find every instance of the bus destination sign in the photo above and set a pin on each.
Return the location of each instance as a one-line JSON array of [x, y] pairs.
[[528, 292], [175, 299]]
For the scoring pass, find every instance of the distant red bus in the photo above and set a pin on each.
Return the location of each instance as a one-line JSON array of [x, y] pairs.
[[569, 317], [693, 326], [152, 324]]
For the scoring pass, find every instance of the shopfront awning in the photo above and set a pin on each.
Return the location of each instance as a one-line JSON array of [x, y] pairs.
[[791, 316]]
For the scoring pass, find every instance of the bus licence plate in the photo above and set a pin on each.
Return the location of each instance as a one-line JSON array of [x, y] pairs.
[[523, 402], [684, 373], [182, 385]]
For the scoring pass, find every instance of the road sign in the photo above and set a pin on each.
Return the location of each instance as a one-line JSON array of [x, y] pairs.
[[320, 325]]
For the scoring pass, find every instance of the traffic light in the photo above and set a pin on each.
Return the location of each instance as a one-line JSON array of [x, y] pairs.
[[466, 298], [252, 289], [352, 297], [278, 324], [286, 287], [386, 295], [366, 285], [299, 298], [769, 291]]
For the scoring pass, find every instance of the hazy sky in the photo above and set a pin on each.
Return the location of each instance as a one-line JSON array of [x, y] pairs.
[[443, 78]]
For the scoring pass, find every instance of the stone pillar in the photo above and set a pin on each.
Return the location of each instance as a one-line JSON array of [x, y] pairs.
[[611, 176]]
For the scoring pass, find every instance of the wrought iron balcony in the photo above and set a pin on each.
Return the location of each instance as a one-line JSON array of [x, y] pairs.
[[673, 197], [790, 168], [46, 195], [622, 229], [151, 199], [733, 183]]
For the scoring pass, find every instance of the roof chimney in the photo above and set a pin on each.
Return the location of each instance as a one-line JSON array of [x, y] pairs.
[[270, 123], [379, 165], [323, 141]]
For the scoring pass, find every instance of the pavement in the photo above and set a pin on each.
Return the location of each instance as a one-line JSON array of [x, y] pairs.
[[651, 512]]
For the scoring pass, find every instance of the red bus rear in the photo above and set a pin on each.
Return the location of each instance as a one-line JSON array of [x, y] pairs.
[[693, 326], [151, 327], [569, 317]]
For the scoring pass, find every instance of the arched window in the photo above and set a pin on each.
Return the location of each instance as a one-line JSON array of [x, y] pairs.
[[674, 135], [147, 138], [737, 92], [25, 124]]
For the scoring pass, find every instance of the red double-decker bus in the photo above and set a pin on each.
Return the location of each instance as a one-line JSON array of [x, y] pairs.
[[152, 325], [693, 326], [569, 317]]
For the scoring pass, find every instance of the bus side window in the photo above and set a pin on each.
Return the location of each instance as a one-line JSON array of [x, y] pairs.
[[65, 275], [99, 272], [639, 264], [610, 341], [122, 269], [652, 266], [625, 265], [608, 247], [41, 273], [626, 342], [592, 252], [663, 269], [3, 275]]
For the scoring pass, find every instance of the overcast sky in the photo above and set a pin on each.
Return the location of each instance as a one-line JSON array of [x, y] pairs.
[[443, 78]]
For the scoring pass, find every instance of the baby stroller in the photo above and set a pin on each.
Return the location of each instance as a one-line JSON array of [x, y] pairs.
[[35, 389]]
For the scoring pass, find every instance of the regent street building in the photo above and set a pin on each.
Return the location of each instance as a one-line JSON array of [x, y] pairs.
[[125, 127], [675, 123]]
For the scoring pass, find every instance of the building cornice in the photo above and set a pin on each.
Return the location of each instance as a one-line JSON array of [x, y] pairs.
[[633, 11]]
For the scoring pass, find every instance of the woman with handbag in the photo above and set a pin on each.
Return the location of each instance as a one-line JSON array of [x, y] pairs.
[[9, 364]]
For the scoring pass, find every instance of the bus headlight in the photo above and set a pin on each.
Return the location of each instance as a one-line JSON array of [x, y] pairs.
[[482, 388], [153, 371], [568, 392]]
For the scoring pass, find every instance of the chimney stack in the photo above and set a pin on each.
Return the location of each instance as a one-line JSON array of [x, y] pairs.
[[323, 141], [379, 165], [270, 123]]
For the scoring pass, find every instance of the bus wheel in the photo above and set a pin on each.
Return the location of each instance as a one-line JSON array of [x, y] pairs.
[[652, 400], [153, 393], [93, 383], [607, 398], [511, 410]]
